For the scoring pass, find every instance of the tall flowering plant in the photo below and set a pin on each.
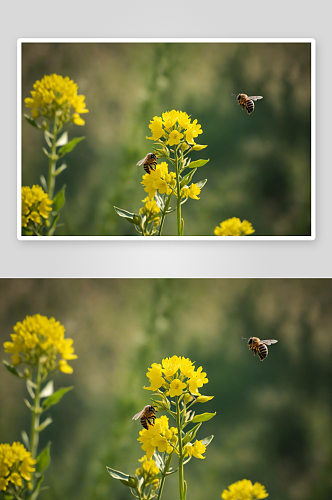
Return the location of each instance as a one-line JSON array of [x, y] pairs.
[[175, 384], [55, 106], [174, 135], [39, 349]]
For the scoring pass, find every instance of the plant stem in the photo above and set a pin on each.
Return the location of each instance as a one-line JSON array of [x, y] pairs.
[[167, 466], [164, 214], [34, 436], [178, 422], [178, 211], [52, 164]]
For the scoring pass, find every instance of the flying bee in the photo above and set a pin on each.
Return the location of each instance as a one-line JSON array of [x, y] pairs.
[[257, 345], [149, 163], [146, 415], [247, 102]]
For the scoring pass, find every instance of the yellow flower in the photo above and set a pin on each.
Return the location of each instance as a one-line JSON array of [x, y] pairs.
[[157, 436], [148, 467], [192, 131], [155, 376], [170, 118], [16, 463], [159, 180], [156, 127], [191, 192], [186, 366], [170, 366], [36, 337], [176, 387], [174, 138], [35, 204], [197, 380], [54, 96], [244, 490], [234, 227], [195, 450]]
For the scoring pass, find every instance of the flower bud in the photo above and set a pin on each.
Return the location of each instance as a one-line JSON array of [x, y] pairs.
[[204, 399]]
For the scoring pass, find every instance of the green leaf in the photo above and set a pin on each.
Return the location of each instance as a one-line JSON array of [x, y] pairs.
[[45, 424], [25, 439], [159, 201], [62, 140], [48, 390], [60, 169], [133, 218], [201, 184], [59, 199], [198, 163], [30, 389], [47, 138], [203, 417], [206, 441], [53, 227], [46, 152], [12, 369], [43, 459], [191, 434], [69, 146], [28, 404], [56, 397], [32, 122], [36, 491], [130, 481], [187, 178]]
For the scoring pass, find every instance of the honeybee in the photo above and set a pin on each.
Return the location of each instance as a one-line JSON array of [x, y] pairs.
[[247, 102], [258, 345], [146, 415], [148, 162]]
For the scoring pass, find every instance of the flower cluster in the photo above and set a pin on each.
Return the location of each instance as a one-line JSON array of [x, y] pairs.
[[150, 209], [191, 192], [35, 204], [16, 465], [195, 450], [158, 436], [39, 339], [54, 96], [159, 180], [148, 471], [177, 375], [174, 127], [234, 227], [244, 490]]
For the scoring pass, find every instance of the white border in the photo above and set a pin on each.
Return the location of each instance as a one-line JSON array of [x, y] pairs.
[[312, 41]]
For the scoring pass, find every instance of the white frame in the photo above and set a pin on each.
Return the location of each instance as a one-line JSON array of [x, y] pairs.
[[312, 41]]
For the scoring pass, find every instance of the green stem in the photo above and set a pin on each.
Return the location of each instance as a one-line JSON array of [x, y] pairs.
[[52, 164], [164, 214], [167, 466], [178, 211], [178, 422], [34, 436]]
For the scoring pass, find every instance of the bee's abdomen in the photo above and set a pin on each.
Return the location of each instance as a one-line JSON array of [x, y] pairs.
[[148, 167], [144, 423], [262, 351], [250, 106]]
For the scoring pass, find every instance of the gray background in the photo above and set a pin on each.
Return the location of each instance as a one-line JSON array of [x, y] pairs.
[[182, 18]]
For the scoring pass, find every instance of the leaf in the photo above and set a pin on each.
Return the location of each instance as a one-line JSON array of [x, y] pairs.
[[201, 184], [206, 441], [159, 200], [158, 460], [69, 146], [36, 491], [47, 138], [25, 439], [191, 434], [12, 369], [46, 152], [187, 178], [53, 227], [62, 140], [43, 182], [198, 163], [28, 404], [133, 218], [32, 122], [45, 424], [130, 481], [59, 199], [60, 169], [43, 459], [56, 397], [30, 390], [203, 417], [48, 390]]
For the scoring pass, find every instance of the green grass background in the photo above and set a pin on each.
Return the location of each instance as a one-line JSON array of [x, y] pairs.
[[273, 422], [259, 166]]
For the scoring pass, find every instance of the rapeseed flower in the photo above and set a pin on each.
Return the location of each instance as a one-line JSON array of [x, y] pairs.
[[191, 192], [150, 209], [195, 450], [234, 227], [38, 338], [55, 96], [16, 465], [244, 490], [36, 206], [159, 180], [174, 127], [158, 436]]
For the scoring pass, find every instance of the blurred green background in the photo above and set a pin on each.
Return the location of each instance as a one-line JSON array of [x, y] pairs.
[[273, 422], [259, 166]]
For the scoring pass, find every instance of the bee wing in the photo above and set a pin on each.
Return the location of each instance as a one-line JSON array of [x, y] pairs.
[[139, 163], [269, 342], [255, 97], [234, 95], [137, 416]]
